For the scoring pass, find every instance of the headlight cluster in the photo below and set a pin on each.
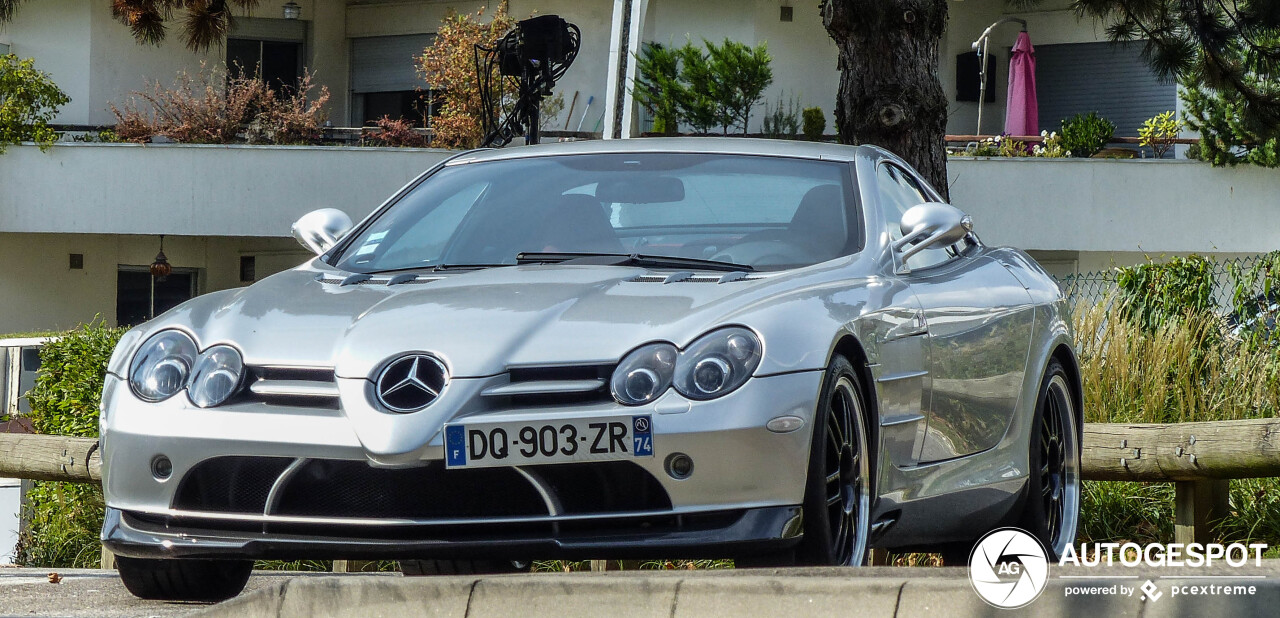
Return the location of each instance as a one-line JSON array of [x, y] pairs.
[[714, 365], [170, 361]]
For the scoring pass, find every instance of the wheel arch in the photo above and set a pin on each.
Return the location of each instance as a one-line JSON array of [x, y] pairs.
[[848, 346], [1067, 357]]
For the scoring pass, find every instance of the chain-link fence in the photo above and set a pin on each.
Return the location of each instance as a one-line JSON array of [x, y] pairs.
[[1248, 273]]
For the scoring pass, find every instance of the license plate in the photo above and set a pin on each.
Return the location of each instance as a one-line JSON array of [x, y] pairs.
[[483, 445]]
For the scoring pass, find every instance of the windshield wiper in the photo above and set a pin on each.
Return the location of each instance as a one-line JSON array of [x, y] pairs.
[[628, 259], [437, 268]]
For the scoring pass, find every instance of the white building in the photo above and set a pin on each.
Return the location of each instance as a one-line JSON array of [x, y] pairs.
[[79, 225]]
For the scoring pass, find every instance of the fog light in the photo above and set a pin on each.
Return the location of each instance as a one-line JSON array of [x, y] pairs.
[[161, 467], [679, 466]]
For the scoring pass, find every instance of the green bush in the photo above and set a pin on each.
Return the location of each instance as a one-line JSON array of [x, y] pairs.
[[704, 87], [64, 519], [814, 123], [1086, 134], [1154, 293], [29, 100]]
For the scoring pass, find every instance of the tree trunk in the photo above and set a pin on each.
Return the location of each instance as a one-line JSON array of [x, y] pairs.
[[889, 90]]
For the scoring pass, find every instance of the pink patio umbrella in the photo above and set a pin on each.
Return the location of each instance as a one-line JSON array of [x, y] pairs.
[[1022, 112]]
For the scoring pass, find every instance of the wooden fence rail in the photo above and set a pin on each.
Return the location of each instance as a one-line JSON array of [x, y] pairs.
[[1199, 458]]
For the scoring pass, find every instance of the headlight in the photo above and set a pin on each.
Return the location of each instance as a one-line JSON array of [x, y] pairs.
[[644, 374], [162, 365], [717, 363], [216, 376]]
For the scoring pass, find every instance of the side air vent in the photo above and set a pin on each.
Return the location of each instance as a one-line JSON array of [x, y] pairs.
[[554, 385], [312, 387]]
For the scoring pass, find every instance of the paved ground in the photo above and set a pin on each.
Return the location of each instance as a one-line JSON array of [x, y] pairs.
[[881, 591], [91, 593]]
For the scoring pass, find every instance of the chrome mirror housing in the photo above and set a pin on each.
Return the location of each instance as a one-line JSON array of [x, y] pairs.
[[319, 230], [931, 224]]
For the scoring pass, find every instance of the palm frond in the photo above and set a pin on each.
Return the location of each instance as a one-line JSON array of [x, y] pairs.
[[6, 9]]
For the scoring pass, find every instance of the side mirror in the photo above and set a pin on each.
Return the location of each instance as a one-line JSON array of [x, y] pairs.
[[931, 224], [319, 230]]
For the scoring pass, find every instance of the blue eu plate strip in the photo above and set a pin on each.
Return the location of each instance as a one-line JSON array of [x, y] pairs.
[[642, 436], [455, 445]]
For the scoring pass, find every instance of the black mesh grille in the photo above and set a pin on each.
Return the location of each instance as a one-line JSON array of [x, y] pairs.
[[333, 488], [604, 487], [354, 489], [229, 484]]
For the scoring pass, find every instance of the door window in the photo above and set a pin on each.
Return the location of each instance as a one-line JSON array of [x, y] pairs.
[[896, 191]]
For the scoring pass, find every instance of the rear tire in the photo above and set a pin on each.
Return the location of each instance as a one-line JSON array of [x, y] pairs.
[[414, 568], [1052, 505], [183, 580]]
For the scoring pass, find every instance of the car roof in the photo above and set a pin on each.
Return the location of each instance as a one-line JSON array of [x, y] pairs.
[[701, 145]]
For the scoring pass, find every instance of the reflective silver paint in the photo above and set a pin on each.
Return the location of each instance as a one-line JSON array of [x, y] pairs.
[[954, 353]]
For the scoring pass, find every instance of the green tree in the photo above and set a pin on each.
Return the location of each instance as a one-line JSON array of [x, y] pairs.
[[703, 96], [741, 73], [657, 87], [29, 101]]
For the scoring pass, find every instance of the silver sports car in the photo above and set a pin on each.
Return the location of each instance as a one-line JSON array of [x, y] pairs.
[[777, 351]]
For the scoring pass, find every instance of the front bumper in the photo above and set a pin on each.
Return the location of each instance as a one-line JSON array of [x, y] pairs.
[[713, 534], [740, 468]]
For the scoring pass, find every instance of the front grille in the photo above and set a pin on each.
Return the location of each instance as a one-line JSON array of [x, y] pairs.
[[549, 386], [335, 488], [229, 484], [354, 489], [310, 387]]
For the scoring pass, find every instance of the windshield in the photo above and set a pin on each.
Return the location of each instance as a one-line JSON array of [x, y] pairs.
[[765, 212]]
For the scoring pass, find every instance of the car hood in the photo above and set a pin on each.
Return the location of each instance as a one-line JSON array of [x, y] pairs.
[[479, 322]]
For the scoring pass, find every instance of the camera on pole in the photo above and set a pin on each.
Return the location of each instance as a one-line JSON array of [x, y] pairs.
[[518, 72]]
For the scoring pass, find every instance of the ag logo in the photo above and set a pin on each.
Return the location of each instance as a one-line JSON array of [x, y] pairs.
[[1008, 568]]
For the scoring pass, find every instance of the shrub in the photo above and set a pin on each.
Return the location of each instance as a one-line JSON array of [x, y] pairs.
[[398, 132], [449, 65], [64, 519], [783, 121], [211, 107], [29, 101], [814, 123], [1086, 134], [1156, 293], [1158, 133], [741, 74]]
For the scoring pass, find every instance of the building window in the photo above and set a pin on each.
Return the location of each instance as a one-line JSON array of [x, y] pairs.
[[279, 63], [248, 268], [385, 80], [140, 297]]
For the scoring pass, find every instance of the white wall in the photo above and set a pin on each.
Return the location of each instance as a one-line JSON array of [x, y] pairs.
[[56, 34], [39, 291], [195, 190], [1115, 205]]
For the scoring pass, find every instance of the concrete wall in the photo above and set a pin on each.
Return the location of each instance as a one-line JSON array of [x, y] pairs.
[[194, 190], [1115, 206], [38, 290]]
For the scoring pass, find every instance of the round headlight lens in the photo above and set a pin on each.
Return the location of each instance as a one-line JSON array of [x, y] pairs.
[[717, 363], [162, 365], [216, 376], [644, 374]]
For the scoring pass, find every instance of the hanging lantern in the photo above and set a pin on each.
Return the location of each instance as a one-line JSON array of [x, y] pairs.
[[161, 268]]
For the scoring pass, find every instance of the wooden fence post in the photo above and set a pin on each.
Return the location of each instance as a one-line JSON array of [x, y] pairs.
[[1198, 506], [108, 560]]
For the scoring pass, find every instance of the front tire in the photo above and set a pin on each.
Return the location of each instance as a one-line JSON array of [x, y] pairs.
[[1052, 506], [183, 580], [837, 502]]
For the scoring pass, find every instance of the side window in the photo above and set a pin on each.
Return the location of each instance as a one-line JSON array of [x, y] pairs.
[[897, 191]]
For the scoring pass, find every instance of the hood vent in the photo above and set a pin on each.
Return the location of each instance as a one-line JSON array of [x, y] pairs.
[[688, 277], [363, 279]]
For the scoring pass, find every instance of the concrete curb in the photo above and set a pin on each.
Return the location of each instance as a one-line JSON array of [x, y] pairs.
[[780, 592]]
